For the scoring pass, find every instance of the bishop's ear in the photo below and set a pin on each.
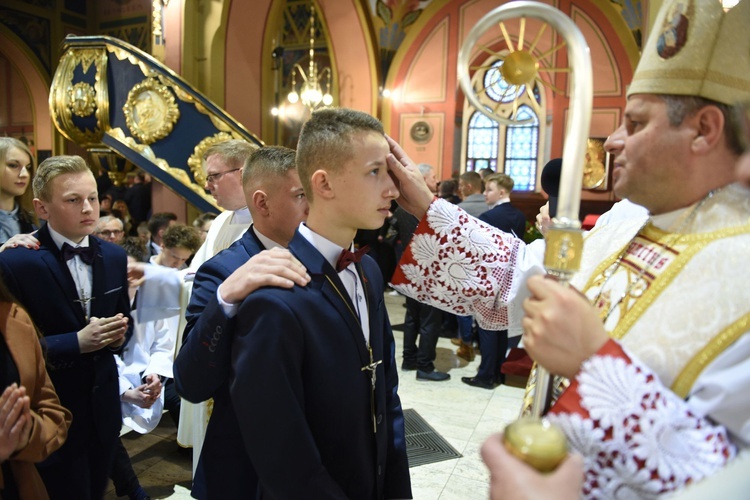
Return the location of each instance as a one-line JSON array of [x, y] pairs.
[[709, 125]]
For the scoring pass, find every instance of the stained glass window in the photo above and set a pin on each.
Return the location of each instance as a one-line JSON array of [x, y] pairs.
[[513, 149], [482, 143], [521, 147]]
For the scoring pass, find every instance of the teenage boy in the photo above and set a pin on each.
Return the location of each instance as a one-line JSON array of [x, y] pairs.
[[277, 205], [75, 289], [315, 381]]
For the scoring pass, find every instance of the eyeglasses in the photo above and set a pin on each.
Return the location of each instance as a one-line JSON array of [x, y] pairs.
[[107, 233], [213, 178]]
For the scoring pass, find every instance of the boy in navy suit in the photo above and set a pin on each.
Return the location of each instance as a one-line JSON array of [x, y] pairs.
[[314, 375], [75, 289]]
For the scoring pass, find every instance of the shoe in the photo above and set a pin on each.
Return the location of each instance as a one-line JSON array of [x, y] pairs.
[[455, 341], [407, 366], [466, 351], [139, 494], [393, 293], [478, 382], [433, 376]]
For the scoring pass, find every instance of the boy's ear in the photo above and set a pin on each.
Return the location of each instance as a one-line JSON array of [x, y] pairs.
[[41, 209], [260, 201], [321, 185]]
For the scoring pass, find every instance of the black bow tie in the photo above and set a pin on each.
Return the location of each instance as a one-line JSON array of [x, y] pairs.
[[347, 257], [85, 253]]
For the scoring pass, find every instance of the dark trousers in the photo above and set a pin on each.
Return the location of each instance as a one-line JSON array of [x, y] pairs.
[[466, 328], [123, 476], [423, 321], [493, 346], [172, 401], [83, 477]]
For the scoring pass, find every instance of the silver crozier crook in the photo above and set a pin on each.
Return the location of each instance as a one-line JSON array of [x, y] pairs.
[[564, 240]]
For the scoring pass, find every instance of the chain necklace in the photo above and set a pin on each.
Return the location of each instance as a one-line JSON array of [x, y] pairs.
[[684, 221]]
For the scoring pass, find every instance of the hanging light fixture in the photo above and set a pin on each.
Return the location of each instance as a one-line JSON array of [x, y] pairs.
[[311, 93]]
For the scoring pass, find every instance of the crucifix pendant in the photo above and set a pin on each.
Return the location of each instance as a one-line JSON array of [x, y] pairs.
[[372, 367], [84, 301]]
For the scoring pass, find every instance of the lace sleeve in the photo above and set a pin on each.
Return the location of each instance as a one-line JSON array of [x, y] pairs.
[[460, 264], [638, 439]]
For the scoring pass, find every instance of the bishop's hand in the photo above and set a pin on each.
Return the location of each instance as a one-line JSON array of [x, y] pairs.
[[415, 196], [561, 329]]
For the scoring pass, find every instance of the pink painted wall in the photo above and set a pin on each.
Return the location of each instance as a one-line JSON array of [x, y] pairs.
[[245, 50], [434, 50], [244, 53]]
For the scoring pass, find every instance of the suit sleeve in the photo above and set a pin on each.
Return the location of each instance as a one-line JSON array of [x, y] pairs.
[[268, 398], [50, 419], [204, 360]]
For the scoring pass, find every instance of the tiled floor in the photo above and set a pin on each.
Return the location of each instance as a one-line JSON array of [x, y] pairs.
[[465, 416]]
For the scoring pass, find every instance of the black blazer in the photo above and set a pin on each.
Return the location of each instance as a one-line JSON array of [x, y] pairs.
[[300, 393], [86, 383], [201, 371], [506, 218]]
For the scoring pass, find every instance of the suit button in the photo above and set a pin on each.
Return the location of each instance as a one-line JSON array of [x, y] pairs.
[[380, 418]]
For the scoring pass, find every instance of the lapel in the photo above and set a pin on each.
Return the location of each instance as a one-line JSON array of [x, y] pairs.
[[98, 282], [325, 279], [60, 272], [251, 243]]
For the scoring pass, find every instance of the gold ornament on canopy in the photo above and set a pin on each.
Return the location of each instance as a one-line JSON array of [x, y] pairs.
[[311, 93]]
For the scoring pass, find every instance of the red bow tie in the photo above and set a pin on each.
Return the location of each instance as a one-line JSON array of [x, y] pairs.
[[347, 257]]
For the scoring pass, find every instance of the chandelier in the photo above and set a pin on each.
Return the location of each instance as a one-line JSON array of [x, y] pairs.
[[311, 93]]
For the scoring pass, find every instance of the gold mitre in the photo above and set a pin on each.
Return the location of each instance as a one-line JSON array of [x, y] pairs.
[[697, 49]]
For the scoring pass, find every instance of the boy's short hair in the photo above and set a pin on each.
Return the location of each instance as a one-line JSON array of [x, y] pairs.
[[160, 220], [473, 179], [134, 247], [181, 236], [268, 161], [199, 221], [325, 140], [55, 166], [232, 152], [502, 180]]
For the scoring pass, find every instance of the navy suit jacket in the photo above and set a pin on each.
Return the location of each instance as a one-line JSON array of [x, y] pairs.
[[300, 393], [86, 383], [506, 218], [201, 371]]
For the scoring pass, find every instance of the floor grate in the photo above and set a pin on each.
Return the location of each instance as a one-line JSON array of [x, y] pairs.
[[423, 444]]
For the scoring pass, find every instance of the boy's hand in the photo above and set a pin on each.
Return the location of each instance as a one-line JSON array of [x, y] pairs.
[[102, 332], [276, 267], [139, 397], [415, 195], [136, 273]]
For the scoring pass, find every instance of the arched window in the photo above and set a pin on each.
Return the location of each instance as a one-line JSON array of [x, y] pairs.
[[511, 149], [482, 143], [521, 150]]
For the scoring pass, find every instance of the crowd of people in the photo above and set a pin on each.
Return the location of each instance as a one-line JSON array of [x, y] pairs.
[[272, 312]]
